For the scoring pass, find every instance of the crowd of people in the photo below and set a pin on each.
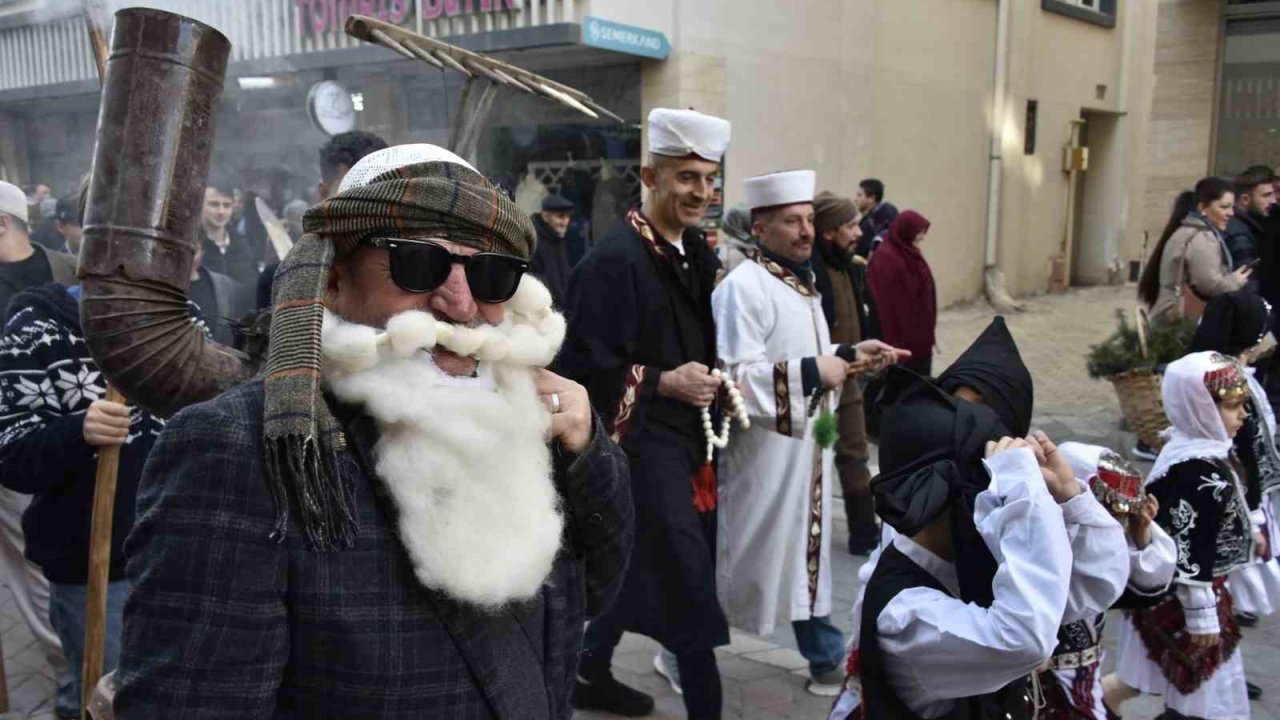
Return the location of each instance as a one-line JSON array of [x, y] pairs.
[[482, 449]]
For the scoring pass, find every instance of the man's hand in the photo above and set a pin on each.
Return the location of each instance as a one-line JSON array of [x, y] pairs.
[[880, 355], [1243, 274], [832, 371], [1204, 642], [691, 384], [1260, 544], [1140, 520], [1058, 473], [572, 425], [106, 423]]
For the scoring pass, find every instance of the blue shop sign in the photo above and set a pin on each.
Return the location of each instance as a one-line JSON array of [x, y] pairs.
[[625, 38]]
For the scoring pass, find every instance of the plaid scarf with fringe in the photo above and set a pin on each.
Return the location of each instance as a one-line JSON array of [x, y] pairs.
[[439, 200]]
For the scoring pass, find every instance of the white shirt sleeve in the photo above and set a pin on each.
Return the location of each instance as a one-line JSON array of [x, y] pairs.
[[1100, 567], [1151, 569], [938, 648], [1200, 606], [1257, 518]]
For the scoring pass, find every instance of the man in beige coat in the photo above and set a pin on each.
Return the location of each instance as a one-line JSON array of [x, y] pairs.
[[836, 226]]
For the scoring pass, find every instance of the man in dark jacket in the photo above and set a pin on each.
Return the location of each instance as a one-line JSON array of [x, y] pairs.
[[378, 528], [836, 225], [877, 216], [642, 339], [63, 231], [549, 263], [54, 423], [220, 299], [225, 250], [23, 264], [1255, 195]]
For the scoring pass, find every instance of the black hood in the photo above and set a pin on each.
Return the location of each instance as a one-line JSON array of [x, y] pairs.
[[931, 451], [1232, 323], [993, 366]]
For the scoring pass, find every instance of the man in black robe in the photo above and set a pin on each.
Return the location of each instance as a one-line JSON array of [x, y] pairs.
[[642, 340], [550, 264]]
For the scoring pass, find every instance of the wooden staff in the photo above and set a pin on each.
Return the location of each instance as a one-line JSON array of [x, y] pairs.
[[104, 489], [95, 619]]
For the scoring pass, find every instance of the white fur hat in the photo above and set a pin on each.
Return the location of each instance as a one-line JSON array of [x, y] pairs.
[[780, 188], [677, 133], [13, 201], [397, 156]]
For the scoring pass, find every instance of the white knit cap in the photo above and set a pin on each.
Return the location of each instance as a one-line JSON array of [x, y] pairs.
[[678, 133], [780, 188], [393, 158], [13, 200]]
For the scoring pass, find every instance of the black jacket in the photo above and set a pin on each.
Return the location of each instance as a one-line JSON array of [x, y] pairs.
[[225, 622], [1243, 237], [240, 261], [549, 263], [47, 382], [631, 317]]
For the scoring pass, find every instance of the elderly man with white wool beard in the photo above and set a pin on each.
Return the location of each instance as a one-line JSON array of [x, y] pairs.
[[405, 517]]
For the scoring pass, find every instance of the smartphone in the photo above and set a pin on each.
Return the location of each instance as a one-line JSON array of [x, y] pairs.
[[1253, 263]]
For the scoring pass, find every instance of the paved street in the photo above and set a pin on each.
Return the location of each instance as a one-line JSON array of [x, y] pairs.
[[764, 677]]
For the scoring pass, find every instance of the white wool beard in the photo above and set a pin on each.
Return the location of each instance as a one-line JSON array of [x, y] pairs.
[[465, 459]]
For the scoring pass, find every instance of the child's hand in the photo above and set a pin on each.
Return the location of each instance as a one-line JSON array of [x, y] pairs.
[[1140, 522], [1059, 476]]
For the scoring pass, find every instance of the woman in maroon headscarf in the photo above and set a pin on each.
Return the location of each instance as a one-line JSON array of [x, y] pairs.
[[902, 286]]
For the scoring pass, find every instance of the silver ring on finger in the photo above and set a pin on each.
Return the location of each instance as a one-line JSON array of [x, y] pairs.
[[554, 399]]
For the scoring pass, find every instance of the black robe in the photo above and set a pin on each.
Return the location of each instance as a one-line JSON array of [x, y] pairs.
[[636, 308], [549, 263]]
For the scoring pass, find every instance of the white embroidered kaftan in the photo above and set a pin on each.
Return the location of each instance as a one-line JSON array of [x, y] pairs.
[[774, 523]]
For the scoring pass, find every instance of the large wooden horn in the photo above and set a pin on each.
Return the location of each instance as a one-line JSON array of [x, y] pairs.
[[155, 135]]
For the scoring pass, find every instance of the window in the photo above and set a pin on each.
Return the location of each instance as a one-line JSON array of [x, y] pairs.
[[1249, 104], [1098, 12]]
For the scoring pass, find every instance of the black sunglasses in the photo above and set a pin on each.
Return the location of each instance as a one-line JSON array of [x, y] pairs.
[[420, 266]]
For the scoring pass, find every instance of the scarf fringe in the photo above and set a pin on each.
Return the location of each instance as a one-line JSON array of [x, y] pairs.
[[324, 494]]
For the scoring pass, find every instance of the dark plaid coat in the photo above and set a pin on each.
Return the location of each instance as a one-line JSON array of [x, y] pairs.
[[225, 623]]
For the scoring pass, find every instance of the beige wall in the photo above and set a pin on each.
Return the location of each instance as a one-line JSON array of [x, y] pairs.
[[1182, 106], [901, 90], [1061, 62]]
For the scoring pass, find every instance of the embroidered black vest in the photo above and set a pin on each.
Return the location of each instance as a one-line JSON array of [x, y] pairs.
[[895, 573]]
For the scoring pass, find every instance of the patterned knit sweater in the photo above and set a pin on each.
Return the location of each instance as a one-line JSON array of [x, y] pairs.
[[47, 382]]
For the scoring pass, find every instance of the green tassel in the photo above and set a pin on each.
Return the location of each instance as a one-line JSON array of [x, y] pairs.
[[826, 430]]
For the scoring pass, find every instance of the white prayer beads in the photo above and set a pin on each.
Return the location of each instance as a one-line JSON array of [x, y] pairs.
[[735, 410]]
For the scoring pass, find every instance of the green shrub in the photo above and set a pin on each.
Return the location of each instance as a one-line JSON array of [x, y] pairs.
[[1167, 340]]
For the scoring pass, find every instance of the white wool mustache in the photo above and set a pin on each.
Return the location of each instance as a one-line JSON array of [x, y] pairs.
[[530, 335]]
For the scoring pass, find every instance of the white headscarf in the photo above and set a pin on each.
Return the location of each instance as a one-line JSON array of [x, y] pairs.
[[1197, 431]]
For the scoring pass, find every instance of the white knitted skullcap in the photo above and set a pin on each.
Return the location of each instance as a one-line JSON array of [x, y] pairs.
[[677, 133], [13, 200], [780, 188], [393, 158]]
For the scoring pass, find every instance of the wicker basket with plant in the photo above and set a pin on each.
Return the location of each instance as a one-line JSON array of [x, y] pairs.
[[1130, 360]]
